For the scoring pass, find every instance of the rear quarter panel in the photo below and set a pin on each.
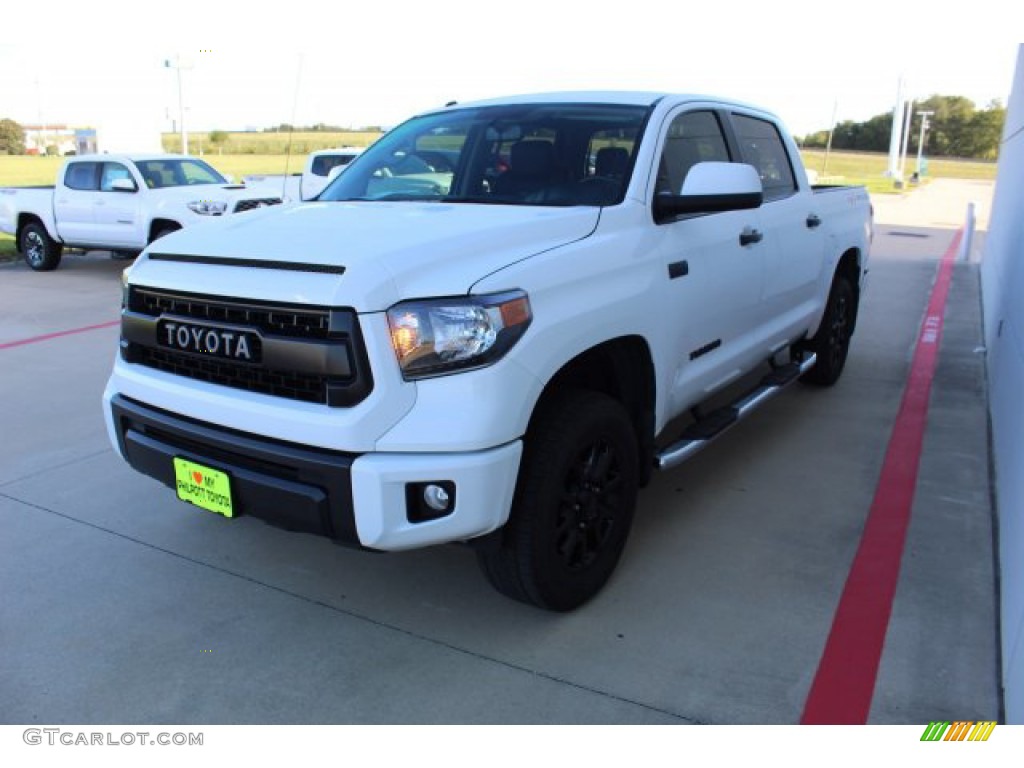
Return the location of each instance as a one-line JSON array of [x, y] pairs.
[[33, 201]]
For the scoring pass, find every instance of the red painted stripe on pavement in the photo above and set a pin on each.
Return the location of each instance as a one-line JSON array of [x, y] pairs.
[[58, 334], [845, 682]]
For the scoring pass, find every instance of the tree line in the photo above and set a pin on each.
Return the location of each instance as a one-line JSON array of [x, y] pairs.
[[956, 129]]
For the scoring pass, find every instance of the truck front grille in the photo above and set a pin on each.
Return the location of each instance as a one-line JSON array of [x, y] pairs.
[[263, 202], [312, 354], [294, 386], [301, 322]]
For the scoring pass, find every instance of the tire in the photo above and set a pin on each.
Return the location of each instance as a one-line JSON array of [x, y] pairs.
[[832, 341], [40, 251], [573, 505]]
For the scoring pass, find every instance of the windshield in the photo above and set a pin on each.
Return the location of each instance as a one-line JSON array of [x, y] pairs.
[[177, 173], [531, 154]]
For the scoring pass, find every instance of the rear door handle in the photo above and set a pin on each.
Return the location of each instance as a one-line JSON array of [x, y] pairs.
[[813, 221], [749, 236]]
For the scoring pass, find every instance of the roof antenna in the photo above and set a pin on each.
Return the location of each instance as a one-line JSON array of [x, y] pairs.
[[291, 130]]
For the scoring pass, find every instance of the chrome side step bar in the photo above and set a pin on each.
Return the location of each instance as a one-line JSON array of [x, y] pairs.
[[701, 433]]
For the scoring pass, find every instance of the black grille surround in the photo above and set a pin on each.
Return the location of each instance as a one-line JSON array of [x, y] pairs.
[[260, 202], [311, 354]]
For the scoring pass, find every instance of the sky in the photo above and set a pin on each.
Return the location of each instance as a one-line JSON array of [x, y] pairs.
[[375, 63]]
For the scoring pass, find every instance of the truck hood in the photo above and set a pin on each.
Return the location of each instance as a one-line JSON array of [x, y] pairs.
[[389, 251]]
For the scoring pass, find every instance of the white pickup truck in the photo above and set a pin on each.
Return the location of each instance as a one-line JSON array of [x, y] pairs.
[[321, 168], [119, 203], [501, 319]]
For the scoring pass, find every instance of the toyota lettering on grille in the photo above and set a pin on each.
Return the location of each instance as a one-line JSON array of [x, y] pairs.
[[225, 343]]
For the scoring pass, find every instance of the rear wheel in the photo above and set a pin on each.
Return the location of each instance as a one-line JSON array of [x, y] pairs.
[[832, 341], [41, 252], [573, 505]]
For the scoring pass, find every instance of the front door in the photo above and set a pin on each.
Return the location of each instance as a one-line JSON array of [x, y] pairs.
[[117, 212], [713, 277]]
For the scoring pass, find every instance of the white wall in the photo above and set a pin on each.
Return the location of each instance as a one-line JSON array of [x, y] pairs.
[[1002, 280]]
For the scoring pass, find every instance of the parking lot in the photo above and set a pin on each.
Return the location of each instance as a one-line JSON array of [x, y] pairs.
[[123, 605]]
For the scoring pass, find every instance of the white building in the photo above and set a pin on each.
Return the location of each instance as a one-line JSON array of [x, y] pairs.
[[1002, 283], [39, 137]]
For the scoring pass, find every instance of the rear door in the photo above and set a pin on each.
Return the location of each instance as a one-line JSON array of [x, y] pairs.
[[793, 242], [75, 201]]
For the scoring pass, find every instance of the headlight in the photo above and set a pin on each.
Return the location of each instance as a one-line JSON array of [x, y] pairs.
[[438, 336], [208, 207]]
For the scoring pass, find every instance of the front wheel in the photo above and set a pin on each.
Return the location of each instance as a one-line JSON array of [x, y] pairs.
[[163, 232], [832, 341], [41, 252], [573, 505]]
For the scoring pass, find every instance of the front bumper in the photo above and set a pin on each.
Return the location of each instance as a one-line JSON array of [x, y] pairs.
[[357, 499]]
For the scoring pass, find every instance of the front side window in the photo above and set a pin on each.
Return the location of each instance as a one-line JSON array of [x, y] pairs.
[[693, 137], [529, 154], [762, 147], [82, 176], [112, 172], [177, 173]]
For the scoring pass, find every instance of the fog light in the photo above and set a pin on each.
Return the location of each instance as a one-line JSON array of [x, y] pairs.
[[436, 498], [429, 500]]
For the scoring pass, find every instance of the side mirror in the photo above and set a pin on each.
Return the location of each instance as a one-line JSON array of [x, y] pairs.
[[123, 185], [333, 173], [713, 187], [229, 178]]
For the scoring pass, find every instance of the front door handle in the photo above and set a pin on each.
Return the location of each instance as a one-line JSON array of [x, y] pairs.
[[814, 220], [749, 236]]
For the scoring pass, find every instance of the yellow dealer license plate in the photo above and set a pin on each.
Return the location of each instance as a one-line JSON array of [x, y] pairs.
[[204, 487]]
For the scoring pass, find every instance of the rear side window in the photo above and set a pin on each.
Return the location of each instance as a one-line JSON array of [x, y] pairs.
[[83, 176], [762, 147], [694, 137]]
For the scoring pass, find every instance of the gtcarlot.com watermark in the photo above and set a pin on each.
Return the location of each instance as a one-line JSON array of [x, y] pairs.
[[58, 736]]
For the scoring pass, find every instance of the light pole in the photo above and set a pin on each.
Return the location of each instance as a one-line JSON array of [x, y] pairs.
[[920, 141], [893, 171], [906, 137], [178, 66], [831, 130]]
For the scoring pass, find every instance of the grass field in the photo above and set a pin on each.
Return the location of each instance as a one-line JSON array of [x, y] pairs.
[[302, 143], [842, 168], [867, 168]]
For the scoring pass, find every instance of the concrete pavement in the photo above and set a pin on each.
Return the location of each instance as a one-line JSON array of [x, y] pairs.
[[123, 605]]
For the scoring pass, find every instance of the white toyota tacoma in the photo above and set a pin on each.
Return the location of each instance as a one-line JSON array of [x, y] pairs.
[[119, 203], [491, 329]]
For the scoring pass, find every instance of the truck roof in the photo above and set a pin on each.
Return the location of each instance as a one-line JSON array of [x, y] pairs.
[[133, 157], [337, 150], [632, 98]]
